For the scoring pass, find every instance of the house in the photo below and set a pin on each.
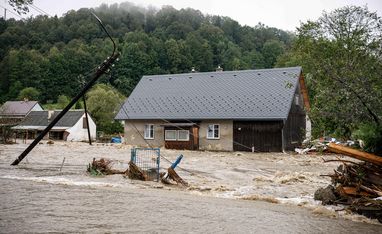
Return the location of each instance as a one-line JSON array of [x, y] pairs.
[[71, 127], [250, 110], [12, 112]]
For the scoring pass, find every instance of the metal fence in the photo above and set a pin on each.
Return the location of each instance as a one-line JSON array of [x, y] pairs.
[[148, 159]]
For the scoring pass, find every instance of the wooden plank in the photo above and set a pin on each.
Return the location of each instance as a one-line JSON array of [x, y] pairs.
[[346, 191], [304, 92], [363, 156]]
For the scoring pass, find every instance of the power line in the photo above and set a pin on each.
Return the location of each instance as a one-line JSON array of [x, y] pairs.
[[12, 12], [162, 156], [41, 11], [238, 143]]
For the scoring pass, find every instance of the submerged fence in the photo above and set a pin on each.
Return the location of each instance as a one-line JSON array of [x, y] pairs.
[[148, 159]]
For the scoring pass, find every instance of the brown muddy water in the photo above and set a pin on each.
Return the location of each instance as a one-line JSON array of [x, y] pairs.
[[37, 197]]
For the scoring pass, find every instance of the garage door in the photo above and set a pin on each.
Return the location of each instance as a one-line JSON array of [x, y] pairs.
[[262, 136]]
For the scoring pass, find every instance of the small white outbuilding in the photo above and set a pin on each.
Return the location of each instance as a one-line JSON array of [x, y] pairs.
[[71, 127]]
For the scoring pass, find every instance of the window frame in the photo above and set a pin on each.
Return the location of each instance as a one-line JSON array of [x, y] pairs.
[[214, 129], [147, 129], [297, 100], [188, 135], [170, 139]]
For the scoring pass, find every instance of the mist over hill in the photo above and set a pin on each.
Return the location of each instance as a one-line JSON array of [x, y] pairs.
[[55, 54]]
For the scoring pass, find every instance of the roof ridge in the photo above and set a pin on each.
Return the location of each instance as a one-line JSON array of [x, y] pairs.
[[222, 72]]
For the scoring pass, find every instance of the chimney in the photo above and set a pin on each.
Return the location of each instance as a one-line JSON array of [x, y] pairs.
[[193, 70], [219, 69], [50, 114]]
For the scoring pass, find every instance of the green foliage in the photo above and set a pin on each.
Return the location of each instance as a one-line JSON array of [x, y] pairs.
[[57, 54], [271, 50], [341, 58], [93, 171], [372, 137], [103, 102], [62, 101], [20, 6], [113, 127], [29, 93], [6, 134], [78, 105]]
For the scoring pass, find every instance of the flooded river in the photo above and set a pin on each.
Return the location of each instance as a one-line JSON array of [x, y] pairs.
[[37, 197]]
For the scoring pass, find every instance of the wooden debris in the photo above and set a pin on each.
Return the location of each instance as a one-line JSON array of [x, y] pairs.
[[171, 174], [351, 191], [339, 149], [136, 173], [358, 185], [102, 167]]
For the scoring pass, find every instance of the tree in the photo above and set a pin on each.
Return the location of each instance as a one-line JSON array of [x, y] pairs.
[[341, 54], [103, 102], [29, 93], [20, 6], [271, 50], [62, 101], [51, 52]]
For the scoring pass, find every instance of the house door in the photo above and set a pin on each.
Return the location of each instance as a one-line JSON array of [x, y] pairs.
[[259, 136]]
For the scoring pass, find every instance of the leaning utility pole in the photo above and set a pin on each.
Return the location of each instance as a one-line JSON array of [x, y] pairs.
[[87, 120], [100, 71]]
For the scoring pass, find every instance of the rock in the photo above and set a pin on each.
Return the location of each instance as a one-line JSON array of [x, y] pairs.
[[326, 195]]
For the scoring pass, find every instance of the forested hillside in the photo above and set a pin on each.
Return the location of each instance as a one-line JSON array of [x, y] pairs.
[[55, 54]]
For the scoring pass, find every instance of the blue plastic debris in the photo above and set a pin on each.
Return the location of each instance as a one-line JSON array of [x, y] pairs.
[[116, 140]]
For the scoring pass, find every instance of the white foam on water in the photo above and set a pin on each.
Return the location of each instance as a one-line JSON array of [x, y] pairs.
[[62, 181]]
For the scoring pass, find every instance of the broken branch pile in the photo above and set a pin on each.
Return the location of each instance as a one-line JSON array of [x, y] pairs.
[[358, 185], [102, 167], [136, 173]]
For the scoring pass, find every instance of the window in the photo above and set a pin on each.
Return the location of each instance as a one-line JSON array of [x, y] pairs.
[[213, 131], [177, 135], [149, 131], [170, 135], [183, 135], [84, 123], [297, 101]]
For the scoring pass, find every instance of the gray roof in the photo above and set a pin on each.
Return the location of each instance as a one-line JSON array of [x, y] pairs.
[[40, 118], [15, 108], [246, 94]]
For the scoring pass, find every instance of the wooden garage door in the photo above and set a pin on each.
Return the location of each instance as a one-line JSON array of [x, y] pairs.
[[264, 136]]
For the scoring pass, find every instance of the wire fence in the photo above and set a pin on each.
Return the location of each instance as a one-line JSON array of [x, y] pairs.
[[148, 160]]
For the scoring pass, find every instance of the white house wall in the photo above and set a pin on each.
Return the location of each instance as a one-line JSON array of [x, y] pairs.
[[78, 133], [37, 107]]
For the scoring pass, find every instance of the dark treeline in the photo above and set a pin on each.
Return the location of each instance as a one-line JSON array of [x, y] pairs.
[[55, 54]]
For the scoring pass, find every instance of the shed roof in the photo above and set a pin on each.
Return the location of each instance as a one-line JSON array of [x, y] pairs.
[[246, 94], [40, 119], [17, 108]]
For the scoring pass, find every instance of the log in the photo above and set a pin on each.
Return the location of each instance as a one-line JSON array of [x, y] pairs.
[[346, 191], [173, 175], [363, 156]]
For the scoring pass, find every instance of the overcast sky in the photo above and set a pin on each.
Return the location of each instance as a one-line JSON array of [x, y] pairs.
[[283, 14]]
